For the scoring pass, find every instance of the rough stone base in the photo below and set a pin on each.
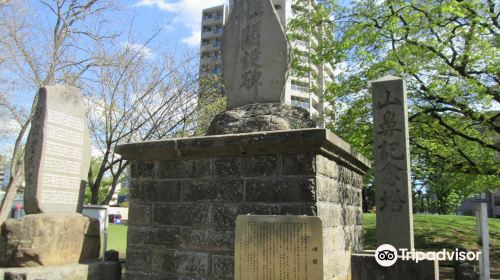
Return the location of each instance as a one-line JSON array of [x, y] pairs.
[[260, 117], [365, 267], [49, 239], [90, 271]]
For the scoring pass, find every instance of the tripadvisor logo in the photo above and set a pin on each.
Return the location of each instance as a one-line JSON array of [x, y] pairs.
[[386, 255]]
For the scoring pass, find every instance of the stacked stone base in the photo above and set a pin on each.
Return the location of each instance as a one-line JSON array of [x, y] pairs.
[[186, 195]]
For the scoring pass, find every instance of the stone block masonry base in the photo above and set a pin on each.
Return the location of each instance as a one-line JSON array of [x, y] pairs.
[[187, 193]]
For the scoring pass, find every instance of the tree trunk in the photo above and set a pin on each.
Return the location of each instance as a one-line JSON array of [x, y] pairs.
[[116, 177], [10, 195]]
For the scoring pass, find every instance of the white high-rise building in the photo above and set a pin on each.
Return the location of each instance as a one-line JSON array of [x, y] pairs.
[[212, 26], [302, 91]]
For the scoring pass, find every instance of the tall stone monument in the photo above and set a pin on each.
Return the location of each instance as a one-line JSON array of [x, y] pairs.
[[256, 62], [392, 163], [53, 239], [58, 152], [187, 193]]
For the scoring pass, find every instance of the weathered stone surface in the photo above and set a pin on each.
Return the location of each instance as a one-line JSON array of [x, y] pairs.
[[365, 267], [153, 237], [140, 214], [228, 190], [187, 169], [223, 266], [153, 190], [224, 216], [280, 189], [301, 172], [211, 239], [49, 239], [97, 270], [392, 163], [319, 141], [260, 117], [58, 152], [181, 214], [255, 54]]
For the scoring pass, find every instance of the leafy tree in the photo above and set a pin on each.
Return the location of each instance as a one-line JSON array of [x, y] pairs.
[[447, 53]]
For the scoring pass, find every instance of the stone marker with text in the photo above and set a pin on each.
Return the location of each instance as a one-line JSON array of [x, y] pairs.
[[58, 152], [278, 248], [392, 163], [255, 54]]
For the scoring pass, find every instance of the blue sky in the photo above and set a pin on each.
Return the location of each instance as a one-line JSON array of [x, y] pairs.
[[186, 16]]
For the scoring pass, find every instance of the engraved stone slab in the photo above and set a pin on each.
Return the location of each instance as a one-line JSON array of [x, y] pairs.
[[392, 163], [278, 248], [58, 152], [255, 54]]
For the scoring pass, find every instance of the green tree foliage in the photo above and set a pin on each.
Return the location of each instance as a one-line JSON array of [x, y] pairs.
[[447, 52], [106, 183]]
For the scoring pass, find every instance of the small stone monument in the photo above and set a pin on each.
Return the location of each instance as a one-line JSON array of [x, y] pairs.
[[392, 163], [58, 152]]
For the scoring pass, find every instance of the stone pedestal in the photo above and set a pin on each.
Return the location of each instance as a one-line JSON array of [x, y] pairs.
[[49, 239], [187, 193]]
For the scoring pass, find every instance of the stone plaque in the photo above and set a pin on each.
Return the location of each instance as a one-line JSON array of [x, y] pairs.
[[278, 248], [255, 54], [57, 158], [392, 163]]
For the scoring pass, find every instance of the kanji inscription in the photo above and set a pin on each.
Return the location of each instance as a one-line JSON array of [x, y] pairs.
[[278, 248], [255, 54], [57, 156], [392, 167]]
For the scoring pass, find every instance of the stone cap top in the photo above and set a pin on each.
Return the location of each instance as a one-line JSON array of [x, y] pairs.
[[299, 140], [387, 78]]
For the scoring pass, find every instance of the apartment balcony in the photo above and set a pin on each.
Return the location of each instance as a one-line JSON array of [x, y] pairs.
[[210, 60], [210, 47], [329, 70], [214, 20], [303, 93], [211, 34]]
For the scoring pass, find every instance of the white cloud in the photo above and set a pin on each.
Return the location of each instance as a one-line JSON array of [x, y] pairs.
[[144, 50], [188, 13]]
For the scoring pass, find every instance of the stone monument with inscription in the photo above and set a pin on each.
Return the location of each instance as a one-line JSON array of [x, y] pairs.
[[53, 239], [392, 163], [278, 248], [58, 152], [256, 54], [392, 188], [256, 62]]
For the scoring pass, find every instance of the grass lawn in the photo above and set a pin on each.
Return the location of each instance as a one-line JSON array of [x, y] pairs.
[[117, 239], [437, 232]]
